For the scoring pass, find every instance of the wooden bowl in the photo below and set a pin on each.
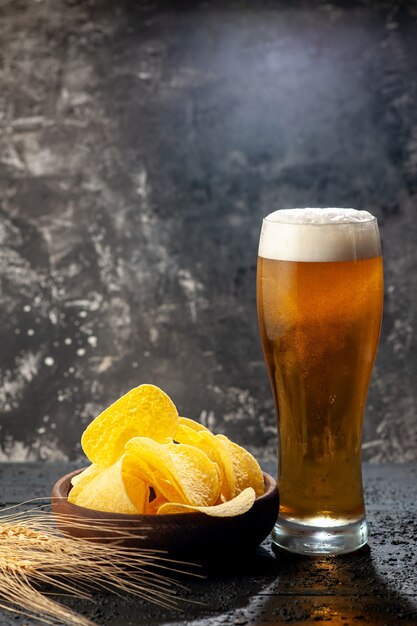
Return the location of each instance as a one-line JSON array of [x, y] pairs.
[[194, 536]]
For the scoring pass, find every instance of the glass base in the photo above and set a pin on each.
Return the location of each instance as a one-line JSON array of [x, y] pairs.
[[317, 540]]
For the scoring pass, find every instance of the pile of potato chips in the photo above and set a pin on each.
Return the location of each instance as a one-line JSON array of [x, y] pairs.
[[148, 460]]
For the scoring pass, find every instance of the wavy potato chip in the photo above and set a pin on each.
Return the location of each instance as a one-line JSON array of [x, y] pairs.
[[135, 471], [204, 440], [145, 411], [246, 469], [104, 490], [186, 421], [237, 506], [85, 475], [153, 505], [179, 472]]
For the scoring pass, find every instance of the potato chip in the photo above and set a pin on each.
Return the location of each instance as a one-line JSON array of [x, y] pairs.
[[153, 505], [237, 506], [204, 440], [91, 470], [136, 470], [247, 472], [145, 411], [186, 421], [179, 472], [239, 468], [104, 491]]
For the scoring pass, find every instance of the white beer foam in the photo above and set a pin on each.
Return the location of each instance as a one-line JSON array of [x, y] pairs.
[[319, 235]]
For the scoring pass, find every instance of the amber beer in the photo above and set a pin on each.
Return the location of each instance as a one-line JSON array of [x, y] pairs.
[[320, 290]]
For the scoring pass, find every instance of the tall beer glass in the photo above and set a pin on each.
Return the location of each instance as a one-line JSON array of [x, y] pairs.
[[320, 292]]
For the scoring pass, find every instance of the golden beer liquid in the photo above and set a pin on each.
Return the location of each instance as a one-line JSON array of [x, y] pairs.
[[320, 324]]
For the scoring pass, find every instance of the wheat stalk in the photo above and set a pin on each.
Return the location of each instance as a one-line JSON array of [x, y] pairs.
[[34, 553]]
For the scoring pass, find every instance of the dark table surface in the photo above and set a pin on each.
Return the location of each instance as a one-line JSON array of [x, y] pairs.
[[377, 585]]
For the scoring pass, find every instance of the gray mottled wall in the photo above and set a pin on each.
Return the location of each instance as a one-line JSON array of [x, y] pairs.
[[141, 143]]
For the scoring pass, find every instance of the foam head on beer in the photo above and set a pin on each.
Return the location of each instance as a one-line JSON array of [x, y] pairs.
[[319, 235]]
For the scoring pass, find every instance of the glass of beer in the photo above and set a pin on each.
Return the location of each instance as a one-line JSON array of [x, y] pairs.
[[320, 294]]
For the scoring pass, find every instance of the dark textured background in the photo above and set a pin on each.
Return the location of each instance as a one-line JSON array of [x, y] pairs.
[[141, 144]]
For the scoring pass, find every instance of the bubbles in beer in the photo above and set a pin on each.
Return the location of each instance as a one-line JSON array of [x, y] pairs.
[[319, 235]]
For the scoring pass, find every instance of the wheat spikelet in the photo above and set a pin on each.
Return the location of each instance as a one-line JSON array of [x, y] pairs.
[[34, 553]]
